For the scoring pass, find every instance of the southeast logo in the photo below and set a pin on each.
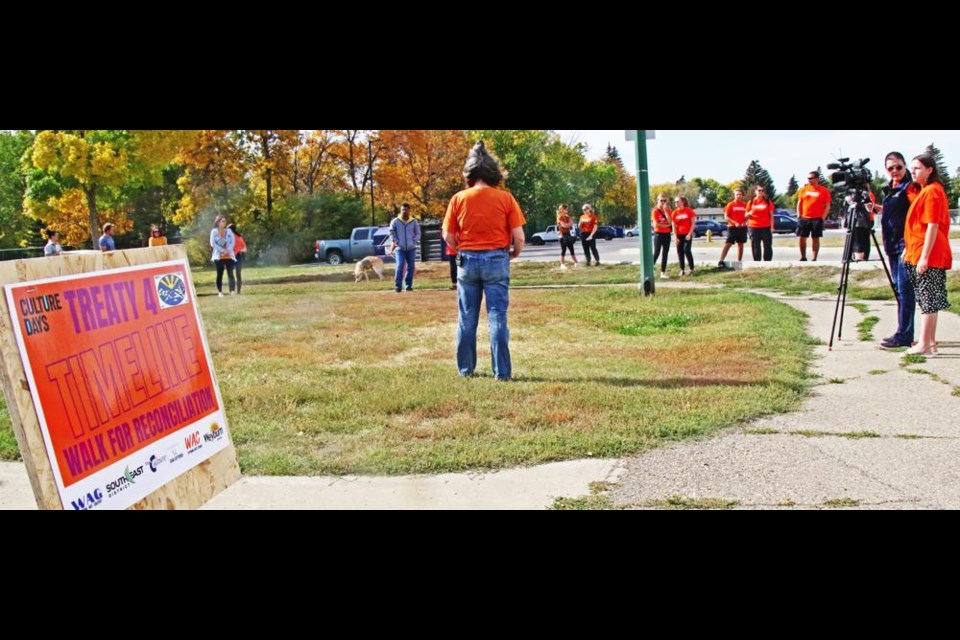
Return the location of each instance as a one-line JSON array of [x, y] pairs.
[[171, 290]]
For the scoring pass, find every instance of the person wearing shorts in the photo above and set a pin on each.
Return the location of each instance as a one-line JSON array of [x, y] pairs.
[[813, 206]]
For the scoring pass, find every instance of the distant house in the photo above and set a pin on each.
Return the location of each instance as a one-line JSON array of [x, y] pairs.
[[711, 214]]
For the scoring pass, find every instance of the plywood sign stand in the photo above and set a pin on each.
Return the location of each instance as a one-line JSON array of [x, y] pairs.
[[187, 491]]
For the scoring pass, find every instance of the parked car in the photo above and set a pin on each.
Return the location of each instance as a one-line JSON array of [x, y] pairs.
[[381, 242], [831, 223], [359, 246], [784, 223], [605, 232], [635, 232], [702, 226], [549, 235]]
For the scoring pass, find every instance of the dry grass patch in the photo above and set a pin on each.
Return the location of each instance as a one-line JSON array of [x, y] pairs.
[[322, 378]]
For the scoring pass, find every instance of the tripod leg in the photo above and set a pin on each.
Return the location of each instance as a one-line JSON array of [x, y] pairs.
[[842, 290], [843, 303], [883, 261]]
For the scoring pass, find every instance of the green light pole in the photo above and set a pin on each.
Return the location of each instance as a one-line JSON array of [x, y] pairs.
[[647, 275]]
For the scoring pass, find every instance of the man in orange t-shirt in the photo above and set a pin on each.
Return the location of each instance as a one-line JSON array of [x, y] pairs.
[[736, 214], [813, 206], [481, 223]]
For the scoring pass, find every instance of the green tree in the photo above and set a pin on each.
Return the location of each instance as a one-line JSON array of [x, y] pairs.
[[955, 199], [952, 193], [612, 156], [757, 175], [72, 174], [712, 194], [522, 154], [619, 201], [793, 186], [15, 227]]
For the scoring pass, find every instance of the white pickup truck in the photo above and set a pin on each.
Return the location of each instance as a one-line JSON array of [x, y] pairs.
[[542, 238]]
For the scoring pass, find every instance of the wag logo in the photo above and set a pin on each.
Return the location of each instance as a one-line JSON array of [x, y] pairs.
[[216, 432], [193, 442], [171, 290], [89, 501]]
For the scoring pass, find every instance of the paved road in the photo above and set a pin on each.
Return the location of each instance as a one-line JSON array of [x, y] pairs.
[[708, 253]]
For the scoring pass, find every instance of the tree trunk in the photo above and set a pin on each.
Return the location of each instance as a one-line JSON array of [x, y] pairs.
[[265, 142], [93, 217]]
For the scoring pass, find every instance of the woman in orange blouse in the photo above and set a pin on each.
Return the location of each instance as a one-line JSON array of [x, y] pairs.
[[760, 221], [683, 220], [927, 255], [565, 231], [663, 228]]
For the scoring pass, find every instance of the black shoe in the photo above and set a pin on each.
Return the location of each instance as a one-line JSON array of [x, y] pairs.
[[803, 259], [409, 288], [399, 289], [890, 343], [721, 265]]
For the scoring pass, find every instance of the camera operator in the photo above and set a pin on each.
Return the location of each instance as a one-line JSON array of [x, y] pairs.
[[813, 206], [896, 204], [863, 228], [927, 254]]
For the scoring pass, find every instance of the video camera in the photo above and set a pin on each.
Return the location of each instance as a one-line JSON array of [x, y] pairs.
[[854, 175], [856, 178]]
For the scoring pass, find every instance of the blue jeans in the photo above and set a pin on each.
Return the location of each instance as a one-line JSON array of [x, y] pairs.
[[408, 258], [484, 272], [908, 300]]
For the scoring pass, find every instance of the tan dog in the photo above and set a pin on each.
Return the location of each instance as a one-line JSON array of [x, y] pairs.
[[365, 266]]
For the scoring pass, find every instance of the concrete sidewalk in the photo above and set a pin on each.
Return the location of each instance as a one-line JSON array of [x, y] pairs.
[[874, 434], [903, 444], [530, 488]]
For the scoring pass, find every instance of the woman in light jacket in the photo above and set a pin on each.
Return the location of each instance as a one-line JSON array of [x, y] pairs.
[[222, 242]]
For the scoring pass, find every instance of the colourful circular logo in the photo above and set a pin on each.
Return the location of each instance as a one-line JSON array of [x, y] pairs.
[[171, 290]]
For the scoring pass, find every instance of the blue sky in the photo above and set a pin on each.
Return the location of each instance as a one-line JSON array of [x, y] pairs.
[[725, 154]]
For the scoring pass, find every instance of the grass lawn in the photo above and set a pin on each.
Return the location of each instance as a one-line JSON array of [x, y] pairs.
[[323, 376]]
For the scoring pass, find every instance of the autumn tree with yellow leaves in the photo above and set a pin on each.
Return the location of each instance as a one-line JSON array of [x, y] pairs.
[[74, 177], [422, 167]]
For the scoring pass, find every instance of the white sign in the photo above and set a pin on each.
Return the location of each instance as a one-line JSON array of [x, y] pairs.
[[122, 380], [632, 135]]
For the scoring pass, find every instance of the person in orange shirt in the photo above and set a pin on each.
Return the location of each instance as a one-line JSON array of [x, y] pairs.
[[662, 227], [927, 255], [157, 239], [813, 206], [684, 219], [240, 251], [565, 231], [760, 221], [588, 229], [736, 214], [481, 223]]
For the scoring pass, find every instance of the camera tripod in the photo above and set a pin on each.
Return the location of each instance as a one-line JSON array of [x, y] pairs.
[[845, 279]]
